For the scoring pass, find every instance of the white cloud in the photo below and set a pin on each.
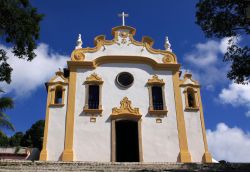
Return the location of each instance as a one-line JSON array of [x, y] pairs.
[[205, 61], [230, 144], [236, 95], [248, 113], [28, 76]]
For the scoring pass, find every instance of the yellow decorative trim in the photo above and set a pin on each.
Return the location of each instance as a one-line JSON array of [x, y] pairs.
[[196, 106], [130, 29], [155, 81], [100, 41], [113, 139], [93, 79], [92, 111], [207, 158], [148, 40], [53, 94], [186, 77], [168, 59], [58, 74], [68, 153], [125, 110], [44, 152], [157, 112], [123, 59], [78, 55], [184, 155]]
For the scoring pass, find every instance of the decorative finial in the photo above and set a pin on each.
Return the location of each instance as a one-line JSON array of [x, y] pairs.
[[79, 42], [123, 15], [167, 45]]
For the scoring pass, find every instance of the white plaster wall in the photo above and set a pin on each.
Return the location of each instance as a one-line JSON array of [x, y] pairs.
[[56, 130], [92, 141], [194, 133]]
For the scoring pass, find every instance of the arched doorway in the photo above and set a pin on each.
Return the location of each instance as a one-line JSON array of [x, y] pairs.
[[127, 142]]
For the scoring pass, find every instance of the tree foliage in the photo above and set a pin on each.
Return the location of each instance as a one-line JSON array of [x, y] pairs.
[[15, 140], [34, 136], [19, 26], [3, 140], [5, 103], [228, 18]]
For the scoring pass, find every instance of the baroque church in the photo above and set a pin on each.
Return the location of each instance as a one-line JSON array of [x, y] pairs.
[[124, 101]]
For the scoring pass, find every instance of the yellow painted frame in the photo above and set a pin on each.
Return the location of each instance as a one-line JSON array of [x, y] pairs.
[[155, 81], [125, 112], [93, 79]]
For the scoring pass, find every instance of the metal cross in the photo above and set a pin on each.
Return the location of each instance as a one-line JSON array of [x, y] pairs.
[[123, 15]]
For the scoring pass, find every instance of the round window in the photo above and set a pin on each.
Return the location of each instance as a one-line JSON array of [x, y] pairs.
[[125, 79]]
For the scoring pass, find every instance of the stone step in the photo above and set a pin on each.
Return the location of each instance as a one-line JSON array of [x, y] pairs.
[[40, 166]]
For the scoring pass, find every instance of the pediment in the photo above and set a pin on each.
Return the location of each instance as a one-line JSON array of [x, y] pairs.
[[125, 110], [123, 44], [58, 79]]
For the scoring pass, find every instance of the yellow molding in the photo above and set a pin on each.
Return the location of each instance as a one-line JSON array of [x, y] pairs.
[[44, 152], [68, 153], [157, 112], [125, 110], [186, 77], [92, 111], [94, 79], [131, 30], [196, 107], [100, 41], [184, 155], [123, 59], [58, 74], [53, 94], [155, 81], [207, 156], [113, 138]]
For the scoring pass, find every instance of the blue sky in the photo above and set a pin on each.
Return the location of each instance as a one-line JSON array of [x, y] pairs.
[[226, 105]]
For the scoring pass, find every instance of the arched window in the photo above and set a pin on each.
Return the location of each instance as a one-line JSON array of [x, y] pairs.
[[58, 95], [191, 98]]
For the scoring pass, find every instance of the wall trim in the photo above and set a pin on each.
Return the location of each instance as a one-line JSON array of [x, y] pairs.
[[184, 155], [68, 153]]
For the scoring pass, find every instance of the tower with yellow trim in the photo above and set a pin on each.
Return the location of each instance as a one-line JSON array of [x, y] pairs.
[[124, 101]]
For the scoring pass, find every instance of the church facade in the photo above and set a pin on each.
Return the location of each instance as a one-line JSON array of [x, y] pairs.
[[124, 101]]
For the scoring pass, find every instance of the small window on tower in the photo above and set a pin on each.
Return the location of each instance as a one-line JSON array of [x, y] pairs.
[[157, 98], [58, 95], [191, 98], [93, 100]]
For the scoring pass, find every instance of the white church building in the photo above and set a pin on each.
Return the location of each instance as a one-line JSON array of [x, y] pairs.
[[124, 101]]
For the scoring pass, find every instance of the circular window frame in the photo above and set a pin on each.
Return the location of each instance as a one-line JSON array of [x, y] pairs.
[[120, 84]]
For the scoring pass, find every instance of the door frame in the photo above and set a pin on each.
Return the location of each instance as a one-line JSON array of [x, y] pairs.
[[113, 137]]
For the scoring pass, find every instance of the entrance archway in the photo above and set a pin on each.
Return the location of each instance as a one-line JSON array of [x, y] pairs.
[[127, 142]]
